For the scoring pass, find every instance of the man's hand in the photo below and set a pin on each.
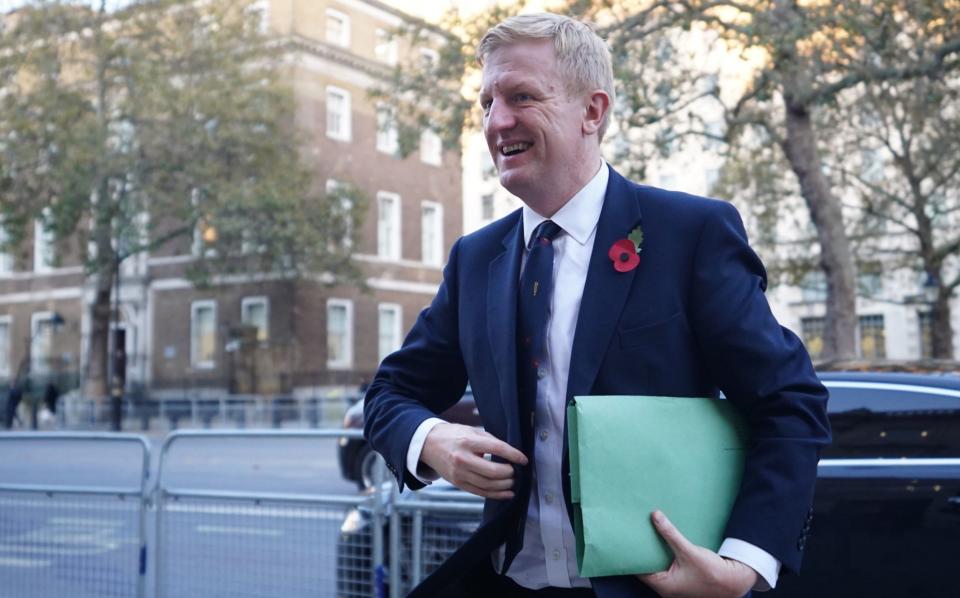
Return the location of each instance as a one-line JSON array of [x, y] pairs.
[[697, 572], [456, 452]]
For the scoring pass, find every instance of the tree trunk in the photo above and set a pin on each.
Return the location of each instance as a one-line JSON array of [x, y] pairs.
[[95, 386], [836, 258], [941, 330]]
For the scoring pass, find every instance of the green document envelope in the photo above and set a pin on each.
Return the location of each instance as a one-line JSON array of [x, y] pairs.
[[631, 455]]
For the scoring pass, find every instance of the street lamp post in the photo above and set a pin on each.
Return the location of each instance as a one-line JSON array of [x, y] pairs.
[[118, 365]]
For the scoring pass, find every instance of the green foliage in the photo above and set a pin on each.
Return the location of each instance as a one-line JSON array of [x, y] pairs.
[[137, 128]]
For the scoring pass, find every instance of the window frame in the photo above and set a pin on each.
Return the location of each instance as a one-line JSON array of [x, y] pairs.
[[431, 153], [394, 252], [195, 306], [438, 237], [344, 18], [346, 362], [387, 138], [257, 300], [346, 118], [44, 242], [385, 47], [39, 367], [346, 204], [397, 311], [5, 369]]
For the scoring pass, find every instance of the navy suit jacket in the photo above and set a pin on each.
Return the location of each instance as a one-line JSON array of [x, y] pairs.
[[690, 320]]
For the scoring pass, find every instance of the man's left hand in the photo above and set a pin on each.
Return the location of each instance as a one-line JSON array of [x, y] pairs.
[[697, 572]]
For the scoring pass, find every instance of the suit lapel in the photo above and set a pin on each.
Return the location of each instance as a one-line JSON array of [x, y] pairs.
[[503, 279], [606, 290]]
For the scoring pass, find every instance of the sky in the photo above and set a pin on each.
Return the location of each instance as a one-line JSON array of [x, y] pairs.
[[427, 9]]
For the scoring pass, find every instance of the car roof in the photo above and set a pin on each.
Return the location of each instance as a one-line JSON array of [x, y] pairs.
[[949, 381]]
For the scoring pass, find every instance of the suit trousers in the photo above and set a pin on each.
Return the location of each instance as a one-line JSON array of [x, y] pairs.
[[483, 582]]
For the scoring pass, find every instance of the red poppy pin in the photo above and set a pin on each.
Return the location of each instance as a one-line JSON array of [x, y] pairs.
[[625, 253]]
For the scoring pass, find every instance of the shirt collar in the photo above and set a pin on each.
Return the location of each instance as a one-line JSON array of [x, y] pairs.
[[579, 216]]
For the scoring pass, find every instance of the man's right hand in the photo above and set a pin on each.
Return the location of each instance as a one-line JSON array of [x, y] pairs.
[[456, 452]]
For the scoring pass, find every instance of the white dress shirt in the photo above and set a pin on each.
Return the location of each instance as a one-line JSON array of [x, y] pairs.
[[548, 556]]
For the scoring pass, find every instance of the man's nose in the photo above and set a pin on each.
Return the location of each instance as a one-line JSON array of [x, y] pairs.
[[500, 117]]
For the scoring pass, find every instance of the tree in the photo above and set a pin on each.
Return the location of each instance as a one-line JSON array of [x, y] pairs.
[[800, 58], [165, 122], [906, 138]]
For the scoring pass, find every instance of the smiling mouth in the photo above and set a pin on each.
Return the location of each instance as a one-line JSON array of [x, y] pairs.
[[515, 148]]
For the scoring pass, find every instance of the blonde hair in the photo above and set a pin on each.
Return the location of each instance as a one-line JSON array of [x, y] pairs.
[[583, 57]]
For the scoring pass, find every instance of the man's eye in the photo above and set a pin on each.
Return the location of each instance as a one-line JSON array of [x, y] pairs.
[[522, 97]]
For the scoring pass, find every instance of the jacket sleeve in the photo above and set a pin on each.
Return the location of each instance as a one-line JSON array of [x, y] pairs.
[[765, 371], [423, 378]]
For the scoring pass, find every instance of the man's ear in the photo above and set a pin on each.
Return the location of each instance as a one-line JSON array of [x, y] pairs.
[[597, 106]]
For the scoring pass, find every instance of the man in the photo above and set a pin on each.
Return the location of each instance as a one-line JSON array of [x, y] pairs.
[[689, 319]]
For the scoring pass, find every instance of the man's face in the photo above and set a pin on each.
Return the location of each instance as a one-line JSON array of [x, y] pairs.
[[534, 130]]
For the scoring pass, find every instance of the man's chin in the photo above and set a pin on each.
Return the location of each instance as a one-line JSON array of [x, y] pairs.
[[515, 181]]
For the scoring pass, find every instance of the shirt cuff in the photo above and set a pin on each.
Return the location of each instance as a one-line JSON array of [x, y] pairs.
[[417, 469], [761, 561]]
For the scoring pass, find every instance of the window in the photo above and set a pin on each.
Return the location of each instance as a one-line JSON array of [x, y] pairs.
[[5, 346], [346, 206], [385, 47], [255, 311], [873, 344], [814, 286], [6, 259], [388, 225], [486, 207], [812, 330], [41, 342], [203, 334], [386, 129], [390, 328], [260, 11], [431, 242], [338, 113], [925, 320], [870, 280], [339, 334], [431, 148], [43, 247], [338, 28]]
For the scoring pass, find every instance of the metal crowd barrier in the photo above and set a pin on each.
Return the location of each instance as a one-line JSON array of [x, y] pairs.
[[199, 411], [281, 543], [425, 530], [73, 540], [81, 541]]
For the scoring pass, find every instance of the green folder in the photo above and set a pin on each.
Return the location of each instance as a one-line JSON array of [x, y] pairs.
[[631, 455]]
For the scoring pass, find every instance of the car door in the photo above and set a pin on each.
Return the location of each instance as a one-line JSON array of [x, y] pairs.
[[887, 508]]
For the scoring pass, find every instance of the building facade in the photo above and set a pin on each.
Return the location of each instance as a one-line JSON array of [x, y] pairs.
[[261, 333]]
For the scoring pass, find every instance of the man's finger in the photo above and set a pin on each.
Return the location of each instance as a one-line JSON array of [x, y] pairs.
[[487, 483], [680, 546], [498, 494], [488, 443]]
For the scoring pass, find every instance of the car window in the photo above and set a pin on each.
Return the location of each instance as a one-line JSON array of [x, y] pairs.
[[893, 421]]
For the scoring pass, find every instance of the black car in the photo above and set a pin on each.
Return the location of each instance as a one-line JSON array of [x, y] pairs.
[[887, 508], [886, 514]]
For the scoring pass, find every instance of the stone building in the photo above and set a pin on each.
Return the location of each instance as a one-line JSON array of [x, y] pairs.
[[257, 333]]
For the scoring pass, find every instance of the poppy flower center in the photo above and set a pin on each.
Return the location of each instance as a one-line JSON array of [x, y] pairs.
[[624, 257]]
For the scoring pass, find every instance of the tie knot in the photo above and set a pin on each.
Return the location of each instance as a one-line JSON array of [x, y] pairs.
[[547, 230]]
